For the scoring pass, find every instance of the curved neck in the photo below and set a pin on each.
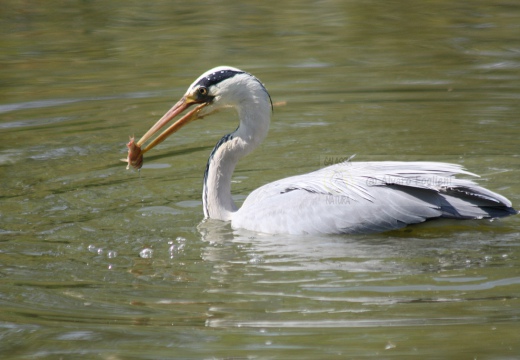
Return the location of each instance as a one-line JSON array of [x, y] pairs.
[[254, 124]]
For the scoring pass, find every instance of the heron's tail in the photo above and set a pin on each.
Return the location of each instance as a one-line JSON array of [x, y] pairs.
[[471, 201]]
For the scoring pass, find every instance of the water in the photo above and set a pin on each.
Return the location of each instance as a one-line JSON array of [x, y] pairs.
[[100, 262]]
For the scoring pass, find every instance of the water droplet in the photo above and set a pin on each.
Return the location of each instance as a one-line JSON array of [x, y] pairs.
[[100, 251], [146, 253], [390, 345], [92, 248], [111, 254], [256, 259]]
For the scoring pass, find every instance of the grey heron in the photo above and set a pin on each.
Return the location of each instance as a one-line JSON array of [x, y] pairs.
[[349, 197]]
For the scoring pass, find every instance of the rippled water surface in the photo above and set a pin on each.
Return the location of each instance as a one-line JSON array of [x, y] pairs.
[[98, 262]]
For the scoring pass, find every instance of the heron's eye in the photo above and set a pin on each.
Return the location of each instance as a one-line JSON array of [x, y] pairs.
[[203, 91]]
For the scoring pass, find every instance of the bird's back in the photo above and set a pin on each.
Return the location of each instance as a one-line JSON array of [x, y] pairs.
[[366, 197]]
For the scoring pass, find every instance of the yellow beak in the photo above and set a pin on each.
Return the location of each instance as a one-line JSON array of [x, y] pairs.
[[135, 153]]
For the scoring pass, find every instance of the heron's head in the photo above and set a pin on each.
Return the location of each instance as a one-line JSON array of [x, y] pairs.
[[220, 87]]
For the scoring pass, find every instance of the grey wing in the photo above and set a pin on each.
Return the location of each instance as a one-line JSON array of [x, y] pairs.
[[365, 197]]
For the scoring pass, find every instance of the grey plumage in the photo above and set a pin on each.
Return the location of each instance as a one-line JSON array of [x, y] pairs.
[[366, 197]]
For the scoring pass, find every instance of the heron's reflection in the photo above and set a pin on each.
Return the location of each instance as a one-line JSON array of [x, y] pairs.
[[293, 253]]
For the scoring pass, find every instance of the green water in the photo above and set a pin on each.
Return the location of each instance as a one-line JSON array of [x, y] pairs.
[[97, 262]]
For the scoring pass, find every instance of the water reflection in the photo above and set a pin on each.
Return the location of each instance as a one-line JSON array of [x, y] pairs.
[[293, 253], [371, 253], [327, 278]]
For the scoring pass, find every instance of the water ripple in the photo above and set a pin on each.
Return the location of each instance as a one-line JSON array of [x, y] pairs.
[[344, 323], [425, 287], [38, 104]]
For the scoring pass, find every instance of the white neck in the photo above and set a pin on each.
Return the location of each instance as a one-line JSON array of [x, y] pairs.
[[255, 115]]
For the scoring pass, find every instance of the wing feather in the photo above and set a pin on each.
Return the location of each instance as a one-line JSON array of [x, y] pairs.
[[364, 197]]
